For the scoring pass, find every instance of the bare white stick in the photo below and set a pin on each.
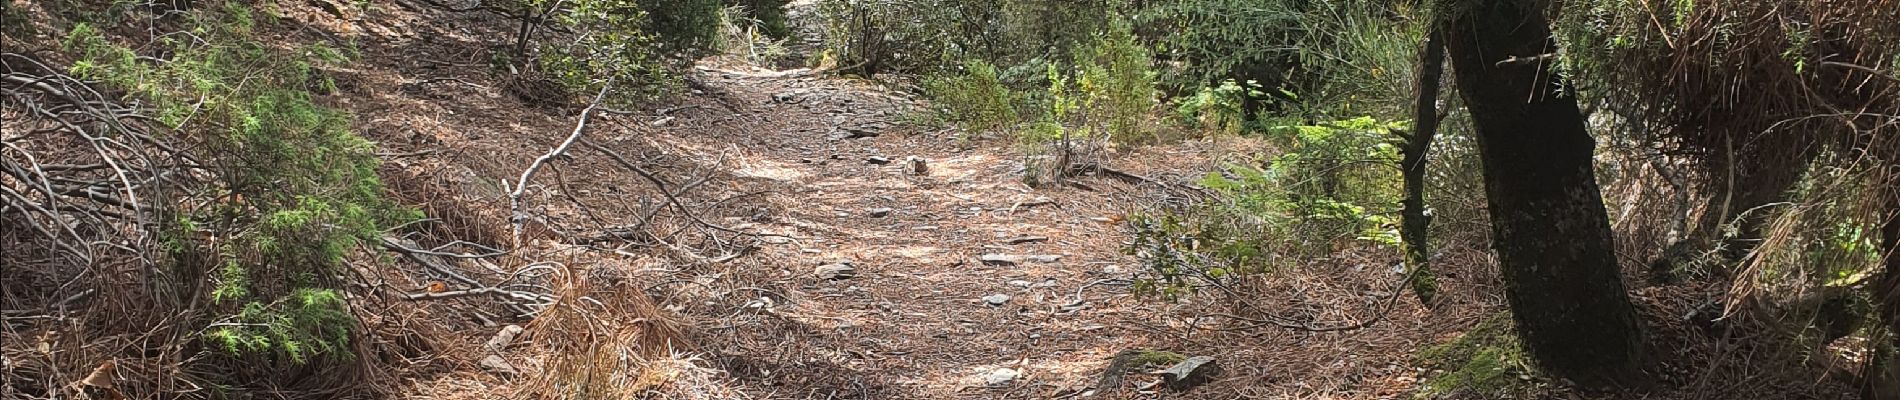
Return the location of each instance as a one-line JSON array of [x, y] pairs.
[[514, 198]]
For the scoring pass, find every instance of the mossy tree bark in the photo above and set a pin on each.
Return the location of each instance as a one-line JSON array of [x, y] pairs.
[[1550, 229], [1415, 222]]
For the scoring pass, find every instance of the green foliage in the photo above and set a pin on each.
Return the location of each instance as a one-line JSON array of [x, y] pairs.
[[292, 187], [613, 43], [1349, 57], [1049, 142], [744, 36], [1219, 40], [1332, 187], [1180, 251], [1115, 77], [1342, 167], [871, 36], [868, 37], [1218, 108], [769, 13], [975, 98], [1486, 361], [688, 28], [1110, 93], [1828, 231], [307, 322]]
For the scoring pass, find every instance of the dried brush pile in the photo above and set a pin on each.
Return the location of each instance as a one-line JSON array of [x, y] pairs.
[[1760, 86], [1788, 112]]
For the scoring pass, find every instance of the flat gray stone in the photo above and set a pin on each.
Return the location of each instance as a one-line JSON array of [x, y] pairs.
[[1191, 372], [996, 299], [496, 365], [1001, 377], [836, 271], [1045, 258], [505, 337], [1000, 259]]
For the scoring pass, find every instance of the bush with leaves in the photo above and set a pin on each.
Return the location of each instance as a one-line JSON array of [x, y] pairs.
[[745, 38], [1217, 40], [289, 190], [1345, 58], [612, 43], [687, 28], [1116, 77], [1219, 108], [769, 13], [1333, 188], [1109, 91], [583, 44], [923, 36], [973, 97]]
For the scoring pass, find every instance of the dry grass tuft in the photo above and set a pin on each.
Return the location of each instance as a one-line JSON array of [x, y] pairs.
[[606, 343]]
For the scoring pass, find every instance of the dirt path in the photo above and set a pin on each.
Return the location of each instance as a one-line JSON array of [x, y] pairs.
[[797, 150], [779, 151], [923, 317]]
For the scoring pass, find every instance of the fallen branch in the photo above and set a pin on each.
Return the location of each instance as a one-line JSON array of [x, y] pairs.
[[1129, 177], [1031, 203], [1283, 322], [521, 185], [442, 266], [504, 293], [428, 260], [631, 232], [670, 198]]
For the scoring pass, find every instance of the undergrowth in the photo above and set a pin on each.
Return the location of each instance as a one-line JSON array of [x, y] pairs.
[[1484, 362], [1332, 188], [292, 189]]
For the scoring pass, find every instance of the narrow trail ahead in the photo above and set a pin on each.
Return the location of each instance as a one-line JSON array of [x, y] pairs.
[[804, 155], [923, 317]]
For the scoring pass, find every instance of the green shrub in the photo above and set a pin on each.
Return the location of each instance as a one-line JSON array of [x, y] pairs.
[[290, 188], [307, 322], [1211, 41], [743, 36], [1058, 140], [1117, 81], [1217, 108], [1333, 186], [869, 37], [1346, 161], [1827, 232], [974, 98], [769, 13], [687, 28], [1350, 57], [613, 43]]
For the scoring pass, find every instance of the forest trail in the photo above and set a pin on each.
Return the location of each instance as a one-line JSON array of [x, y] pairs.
[[800, 155], [415, 199], [816, 163], [923, 317]]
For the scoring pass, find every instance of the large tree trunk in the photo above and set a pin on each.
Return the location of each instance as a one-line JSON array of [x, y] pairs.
[[1550, 230]]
